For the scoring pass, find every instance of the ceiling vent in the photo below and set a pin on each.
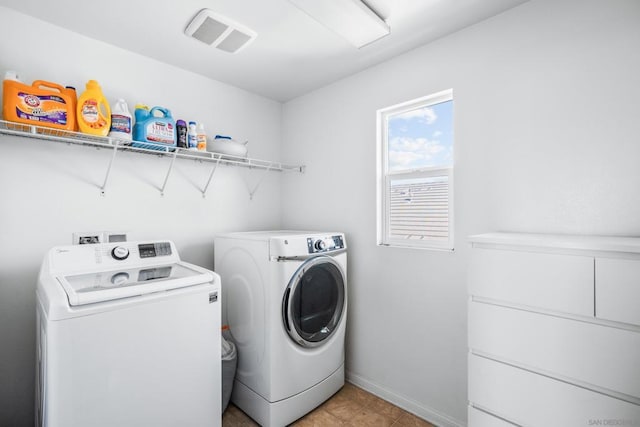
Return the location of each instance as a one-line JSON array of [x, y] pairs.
[[219, 31]]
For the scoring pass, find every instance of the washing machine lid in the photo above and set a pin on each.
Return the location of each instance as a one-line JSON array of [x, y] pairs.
[[88, 288]]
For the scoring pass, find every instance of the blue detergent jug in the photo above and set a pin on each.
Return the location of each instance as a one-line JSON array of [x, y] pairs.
[[154, 129]]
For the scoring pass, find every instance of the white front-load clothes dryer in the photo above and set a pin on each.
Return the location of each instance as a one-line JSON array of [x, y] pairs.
[[285, 301]]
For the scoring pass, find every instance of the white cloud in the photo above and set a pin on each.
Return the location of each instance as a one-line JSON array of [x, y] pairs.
[[437, 134], [424, 114], [418, 145], [402, 159], [406, 152]]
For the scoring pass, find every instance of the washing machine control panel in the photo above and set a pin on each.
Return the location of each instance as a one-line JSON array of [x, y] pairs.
[[148, 250], [324, 244]]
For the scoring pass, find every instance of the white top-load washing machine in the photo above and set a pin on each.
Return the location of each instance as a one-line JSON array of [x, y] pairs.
[[128, 335], [285, 301]]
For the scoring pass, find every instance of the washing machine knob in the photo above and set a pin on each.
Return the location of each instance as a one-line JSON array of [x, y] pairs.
[[120, 253], [322, 244]]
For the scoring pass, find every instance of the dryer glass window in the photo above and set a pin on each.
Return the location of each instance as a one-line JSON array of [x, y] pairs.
[[314, 302]]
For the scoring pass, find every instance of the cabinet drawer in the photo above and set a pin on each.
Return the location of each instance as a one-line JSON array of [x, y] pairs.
[[618, 290], [556, 282], [600, 355], [482, 419], [530, 399]]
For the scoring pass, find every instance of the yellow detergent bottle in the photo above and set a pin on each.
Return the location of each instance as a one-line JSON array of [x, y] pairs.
[[94, 113]]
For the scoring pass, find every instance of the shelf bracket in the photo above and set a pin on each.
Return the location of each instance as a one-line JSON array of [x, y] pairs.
[[206, 186], [106, 177], [166, 178], [253, 190]]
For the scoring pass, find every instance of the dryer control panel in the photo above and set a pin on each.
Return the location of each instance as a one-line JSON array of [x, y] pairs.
[[325, 244], [302, 244]]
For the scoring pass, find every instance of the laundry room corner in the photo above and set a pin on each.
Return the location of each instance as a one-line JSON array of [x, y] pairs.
[[528, 156], [398, 213], [51, 190]]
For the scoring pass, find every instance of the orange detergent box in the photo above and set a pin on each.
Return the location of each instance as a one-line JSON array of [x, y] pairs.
[[41, 104]]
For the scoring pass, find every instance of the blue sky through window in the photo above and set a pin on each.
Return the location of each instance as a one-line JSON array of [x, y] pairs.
[[421, 138]]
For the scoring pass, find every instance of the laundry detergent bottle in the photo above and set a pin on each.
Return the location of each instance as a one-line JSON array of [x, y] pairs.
[[94, 113], [201, 137], [43, 104], [192, 136], [154, 129], [71, 91], [121, 120]]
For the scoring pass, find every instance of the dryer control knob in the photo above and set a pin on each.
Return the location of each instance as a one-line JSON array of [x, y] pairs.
[[322, 244], [120, 253], [329, 243]]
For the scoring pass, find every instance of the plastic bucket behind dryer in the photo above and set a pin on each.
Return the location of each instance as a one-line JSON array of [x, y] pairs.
[[229, 364]]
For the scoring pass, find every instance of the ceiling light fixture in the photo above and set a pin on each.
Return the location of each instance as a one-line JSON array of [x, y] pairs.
[[219, 31], [352, 19]]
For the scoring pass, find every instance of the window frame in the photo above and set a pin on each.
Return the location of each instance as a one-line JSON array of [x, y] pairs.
[[384, 176]]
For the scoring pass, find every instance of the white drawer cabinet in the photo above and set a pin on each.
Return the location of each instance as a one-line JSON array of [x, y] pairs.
[[567, 348], [551, 281], [618, 290], [530, 399], [554, 330], [478, 418]]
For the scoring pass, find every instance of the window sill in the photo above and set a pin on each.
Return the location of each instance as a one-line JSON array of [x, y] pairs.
[[428, 248]]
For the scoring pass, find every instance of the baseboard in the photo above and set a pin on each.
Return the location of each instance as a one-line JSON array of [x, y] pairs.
[[424, 412]]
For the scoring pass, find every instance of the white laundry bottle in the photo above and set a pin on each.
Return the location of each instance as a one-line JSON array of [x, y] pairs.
[[121, 121], [192, 136], [201, 137]]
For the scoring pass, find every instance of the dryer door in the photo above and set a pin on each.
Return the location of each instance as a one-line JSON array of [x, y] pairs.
[[314, 301]]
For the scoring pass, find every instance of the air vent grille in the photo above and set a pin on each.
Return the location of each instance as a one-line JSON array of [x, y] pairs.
[[234, 41], [210, 31], [219, 31]]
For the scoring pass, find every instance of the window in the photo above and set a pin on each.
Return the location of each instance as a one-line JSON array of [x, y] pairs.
[[415, 173]]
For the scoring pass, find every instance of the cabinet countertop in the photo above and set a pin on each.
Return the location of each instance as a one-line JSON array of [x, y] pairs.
[[620, 244]]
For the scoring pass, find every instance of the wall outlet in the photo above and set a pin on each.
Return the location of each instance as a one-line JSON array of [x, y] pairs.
[[93, 237], [114, 236], [88, 237]]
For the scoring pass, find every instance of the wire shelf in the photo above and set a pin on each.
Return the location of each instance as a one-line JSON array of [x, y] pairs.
[[56, 135], [116, 145]]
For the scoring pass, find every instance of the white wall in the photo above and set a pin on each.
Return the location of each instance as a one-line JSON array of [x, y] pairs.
[[49, 190], [547, 104], [546, 101]]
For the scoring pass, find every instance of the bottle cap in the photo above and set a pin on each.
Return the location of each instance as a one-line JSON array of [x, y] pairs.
[[93, 84], [11, 75]]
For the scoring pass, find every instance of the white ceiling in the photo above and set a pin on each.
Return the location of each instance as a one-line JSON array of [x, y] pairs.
[[292, 55]]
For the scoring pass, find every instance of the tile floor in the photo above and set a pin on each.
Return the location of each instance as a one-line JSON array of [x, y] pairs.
[[350, 407]]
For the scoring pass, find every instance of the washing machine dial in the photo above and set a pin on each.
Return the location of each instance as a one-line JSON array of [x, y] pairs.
[[120, 279], [120, 253], [322, 244]]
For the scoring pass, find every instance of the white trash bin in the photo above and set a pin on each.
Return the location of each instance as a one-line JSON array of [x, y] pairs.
[[229, 364]]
